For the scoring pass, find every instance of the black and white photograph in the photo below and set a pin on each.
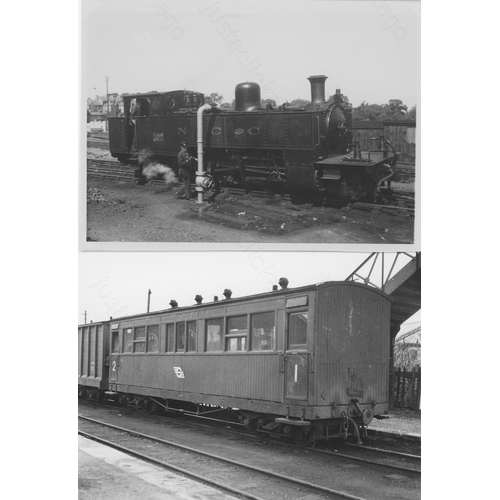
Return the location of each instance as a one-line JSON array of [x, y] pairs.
[[259, 375], [276, 122], [216, 221], [249, 291]]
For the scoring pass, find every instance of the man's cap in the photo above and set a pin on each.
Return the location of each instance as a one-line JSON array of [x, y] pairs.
[[184, 143]]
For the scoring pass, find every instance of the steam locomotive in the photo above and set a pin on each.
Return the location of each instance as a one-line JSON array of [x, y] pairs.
[[298, 150]]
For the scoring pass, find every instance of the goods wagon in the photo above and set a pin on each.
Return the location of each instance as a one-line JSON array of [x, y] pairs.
[[93, 349]]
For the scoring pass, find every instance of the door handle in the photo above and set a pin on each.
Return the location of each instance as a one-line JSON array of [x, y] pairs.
[[281, 367]]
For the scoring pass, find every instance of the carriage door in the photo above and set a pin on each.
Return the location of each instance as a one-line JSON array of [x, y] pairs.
[[296, 355], [113, 357]]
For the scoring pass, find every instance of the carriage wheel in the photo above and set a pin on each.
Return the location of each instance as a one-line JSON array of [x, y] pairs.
[[302, 437], [122, 400], [149, 406]]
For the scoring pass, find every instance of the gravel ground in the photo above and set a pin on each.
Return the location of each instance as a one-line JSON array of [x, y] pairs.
[[121, 212], [128, 212], [400, 419]]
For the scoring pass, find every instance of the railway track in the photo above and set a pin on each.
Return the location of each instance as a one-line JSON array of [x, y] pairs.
[[247, 475], [387, 459], [406, 171], [400, 203]]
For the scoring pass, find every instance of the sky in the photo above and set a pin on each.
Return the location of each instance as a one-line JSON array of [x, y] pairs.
[[370, 50], [117, 283]]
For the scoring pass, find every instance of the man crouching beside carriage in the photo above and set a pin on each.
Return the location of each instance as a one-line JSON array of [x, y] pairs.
[[186, 171]]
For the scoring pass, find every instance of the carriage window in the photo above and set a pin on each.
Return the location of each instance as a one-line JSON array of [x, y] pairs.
[[191, 336], [128, 340], [237, 331], [170, 338], [154, 338], [297, 330], [115, 341], [140, 339], [214, 334], [180, 337], [263, 331]]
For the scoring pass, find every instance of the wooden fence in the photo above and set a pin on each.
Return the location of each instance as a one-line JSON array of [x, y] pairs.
[[407, 388], [401, 134]]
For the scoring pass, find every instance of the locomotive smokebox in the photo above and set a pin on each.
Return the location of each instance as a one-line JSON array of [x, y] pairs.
[[247, 96], [317, 88]]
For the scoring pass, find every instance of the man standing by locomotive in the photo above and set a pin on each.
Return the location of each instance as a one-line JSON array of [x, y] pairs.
[[184, 161], [135, 110]]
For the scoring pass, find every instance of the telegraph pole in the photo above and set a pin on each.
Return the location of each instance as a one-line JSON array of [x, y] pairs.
[[85, 316], [149, 296], [107, 94]]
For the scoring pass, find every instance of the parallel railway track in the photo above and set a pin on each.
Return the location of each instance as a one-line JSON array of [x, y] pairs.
[[388, 459], [401, 203], [356, 453], [238, 476]]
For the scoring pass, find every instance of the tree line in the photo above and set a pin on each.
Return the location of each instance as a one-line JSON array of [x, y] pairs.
[[394, 110]]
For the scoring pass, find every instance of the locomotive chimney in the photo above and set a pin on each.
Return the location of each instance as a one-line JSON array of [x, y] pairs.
[[317, 88]]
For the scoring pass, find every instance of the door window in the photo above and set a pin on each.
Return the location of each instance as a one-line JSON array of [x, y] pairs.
[[297, 330]]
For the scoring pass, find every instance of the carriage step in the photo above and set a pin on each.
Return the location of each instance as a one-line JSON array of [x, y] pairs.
[[299, 423]]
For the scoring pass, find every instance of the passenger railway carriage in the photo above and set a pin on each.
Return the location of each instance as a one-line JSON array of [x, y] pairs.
[[311, 362]]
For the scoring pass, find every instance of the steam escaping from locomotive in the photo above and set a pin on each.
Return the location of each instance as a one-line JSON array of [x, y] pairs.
[[154, 170]]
